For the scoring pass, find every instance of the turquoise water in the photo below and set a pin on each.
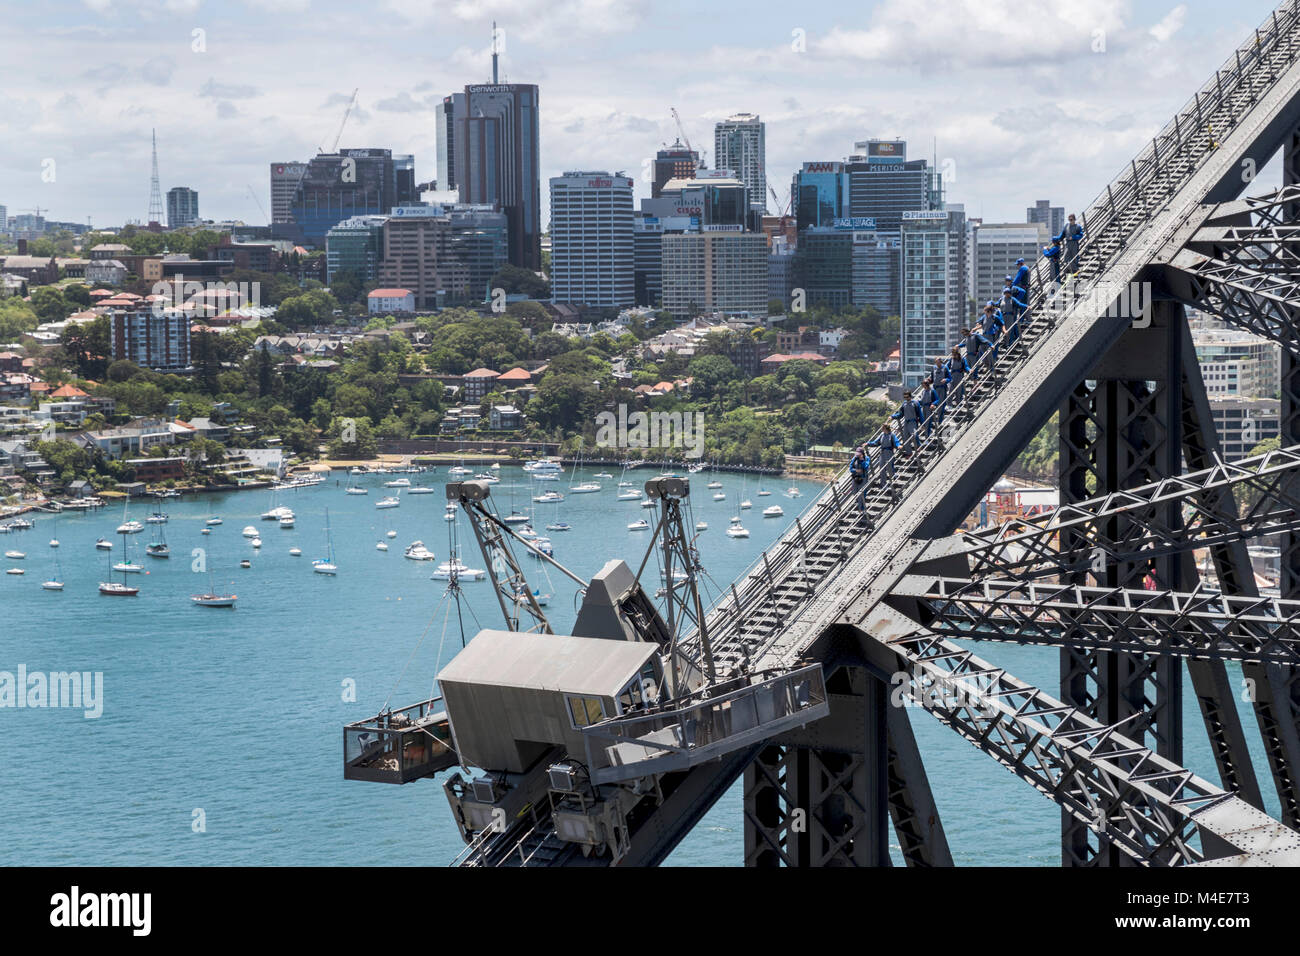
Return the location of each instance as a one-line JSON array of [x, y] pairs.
[[220, 741]]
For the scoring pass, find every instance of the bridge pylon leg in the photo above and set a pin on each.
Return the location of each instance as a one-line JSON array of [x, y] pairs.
[[1120, 428], [820, 796]]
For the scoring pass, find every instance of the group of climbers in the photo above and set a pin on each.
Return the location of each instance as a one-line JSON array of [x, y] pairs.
[[945, 385]]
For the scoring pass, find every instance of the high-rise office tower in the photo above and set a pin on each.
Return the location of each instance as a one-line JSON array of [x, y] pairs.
[[1053, 217], [497, 161], [997, 246], [445, 114], [739, 144], [404, 193], [884, 184], [182, 207], [338, 186], [821, 194], [592, 258], [673, 162], [285, 178], [714, 271], [933, 287]]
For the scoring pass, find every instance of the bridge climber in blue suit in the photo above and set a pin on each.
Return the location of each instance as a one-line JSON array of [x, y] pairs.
[[910, 413], [887, 442]]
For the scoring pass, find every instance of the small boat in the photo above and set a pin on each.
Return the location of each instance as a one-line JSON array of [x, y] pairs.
[[774, 511], [422, 490], [214, 600], [462, 571], [54, 542], [457, 470], [714, 484], [792, 492], [158, 517], [516, 518], [541, 599], [602, 474], [103, 545], [52, 585], [398, 483], [391, 534], [358, 491], [16, 555], [326, 564], [701, 526], [548, 497], [416, 551], [626, 484], [130, 527], [695, 469], [449, 513], [22, 524], [763, 492], [296, 552], [275, 514], [389, 502], [629, 495], [495, 466], [15, 571], [206, 531], [640, 525], [487, 477], [126, 567], [544, 546], [245, 563], [256, 542], [719, 496], [746, 504], [381, 546], [737, 531], [526, 532], [586, 488], [113, 589], [286, 521], [559, 526], [214, 520], [249, 532], [158, 549]]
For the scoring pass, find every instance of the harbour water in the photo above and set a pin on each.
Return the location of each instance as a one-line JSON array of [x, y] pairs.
[[220, 739]]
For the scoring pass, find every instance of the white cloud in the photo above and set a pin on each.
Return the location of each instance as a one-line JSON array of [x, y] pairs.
[[1171, 24]]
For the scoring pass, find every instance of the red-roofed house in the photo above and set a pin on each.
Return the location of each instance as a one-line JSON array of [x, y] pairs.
[[69, 391], [476, 384], [391, 300], [515, 377], [780, 358]]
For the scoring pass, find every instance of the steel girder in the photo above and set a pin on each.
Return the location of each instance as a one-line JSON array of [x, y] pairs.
[[1144, 805], [1027, 547], [1204, 625]]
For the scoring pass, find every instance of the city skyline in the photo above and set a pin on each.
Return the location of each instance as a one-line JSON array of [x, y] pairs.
[[974, 81]]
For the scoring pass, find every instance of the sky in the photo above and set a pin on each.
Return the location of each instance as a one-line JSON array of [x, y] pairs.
[[1019, 101]]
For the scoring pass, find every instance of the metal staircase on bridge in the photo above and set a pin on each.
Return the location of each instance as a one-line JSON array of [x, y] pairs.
[[830, 574]]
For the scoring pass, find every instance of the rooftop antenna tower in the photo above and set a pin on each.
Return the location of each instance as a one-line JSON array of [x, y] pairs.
[[494, 53], [155, 191]]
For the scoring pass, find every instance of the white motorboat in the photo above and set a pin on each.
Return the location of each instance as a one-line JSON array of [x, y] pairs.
[[158, 517], [15, 571], [296, 552], [714, 484], [457, 471], [640, 525], [103, 545], [275, 514], [487, 477], [422, 490], [462, 571], [389, 502], [543, 544], [586, 488], [559, 526], [286, 521], [16, 555], [256, 542], [719, 496], [130, 527], [398, 483], [547, 476], [792, 492], [746, 504], [548, 497], [701, 526], [358, 491], [629, 495], [391, 534], [763, 492], [206, 531], [54, 542], [213, 521], [516, 518], [381, 546], [775, 511], [602, 474], [249, 531], [126, 567], [737, 531], [649, 503], [526, 532], [416, 551]]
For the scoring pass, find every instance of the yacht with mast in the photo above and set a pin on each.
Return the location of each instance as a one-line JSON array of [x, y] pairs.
[[326, 564]]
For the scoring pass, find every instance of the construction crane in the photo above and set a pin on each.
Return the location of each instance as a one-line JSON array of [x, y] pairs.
[[782, 207], [346, 113], [681, 130], [252, 193]]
